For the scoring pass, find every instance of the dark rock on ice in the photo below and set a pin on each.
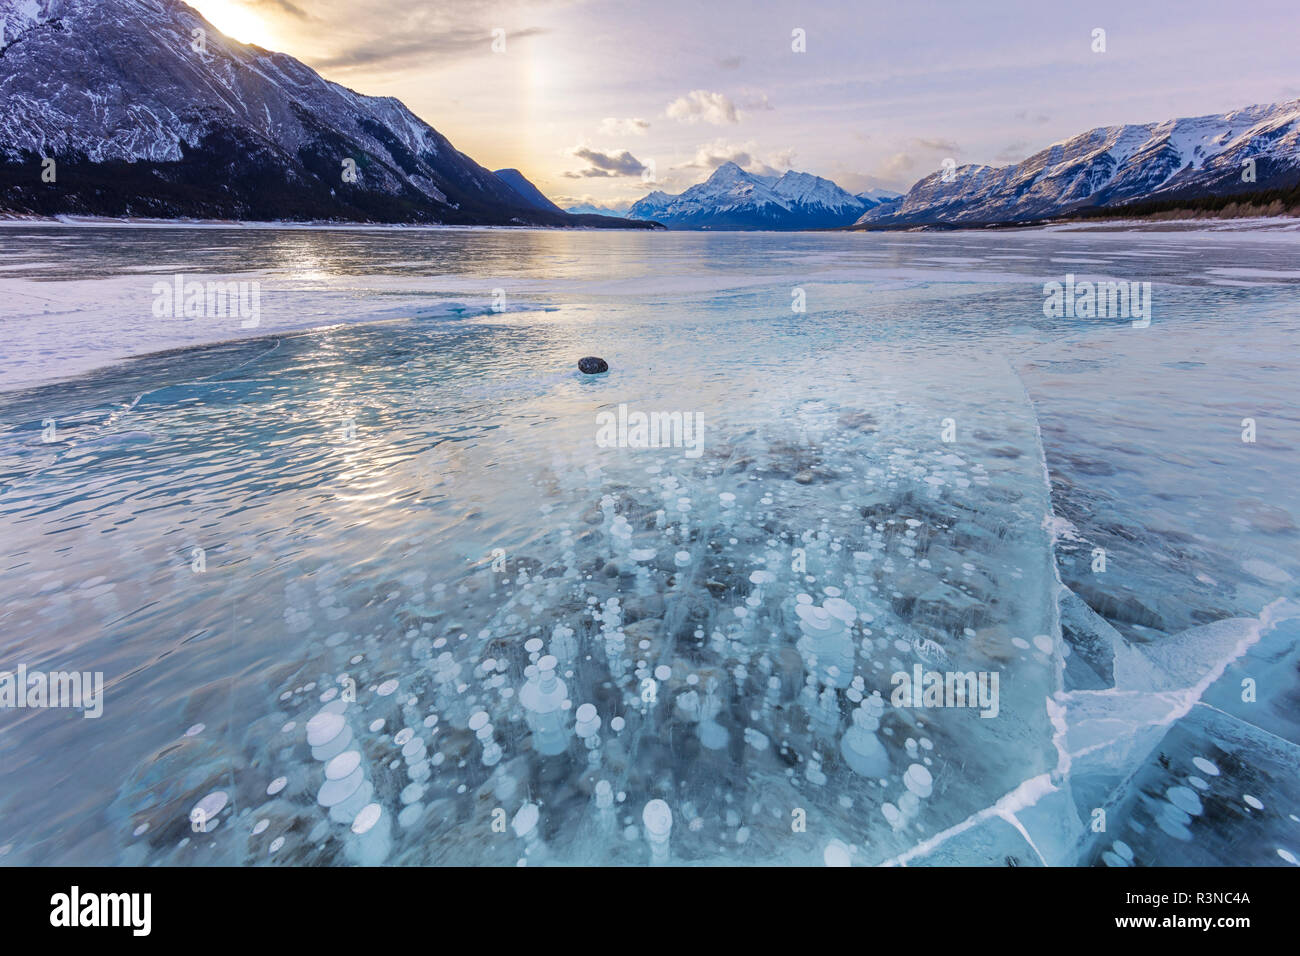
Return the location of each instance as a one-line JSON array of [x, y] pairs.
[[590, 365]]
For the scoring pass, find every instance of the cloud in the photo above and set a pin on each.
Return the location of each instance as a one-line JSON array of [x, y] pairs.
[[596, 203], [919, 157], [284, 6], [856, 182], [731, 62], [899, 167], [946, 146], [702, 106], [712, 155], [604, 164], [1040, 118], [396, 46], [636, 126], [750, 100], [1013, 152]]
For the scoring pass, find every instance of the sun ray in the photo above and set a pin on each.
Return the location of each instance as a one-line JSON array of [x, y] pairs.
[[237, 21]]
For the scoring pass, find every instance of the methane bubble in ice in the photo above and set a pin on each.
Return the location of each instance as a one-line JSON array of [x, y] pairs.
[[1185, 800], [525, 821], [204, 814], [323, 728], [657, 819], [836, 854], [367, 818], [343, 765], [918, 780]]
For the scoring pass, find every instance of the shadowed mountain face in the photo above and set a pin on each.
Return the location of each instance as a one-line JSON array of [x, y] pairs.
[[529, 193], [1250, 149], [147, 110]]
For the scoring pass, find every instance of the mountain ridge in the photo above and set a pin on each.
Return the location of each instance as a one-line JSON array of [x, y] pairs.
[[1112, 166]]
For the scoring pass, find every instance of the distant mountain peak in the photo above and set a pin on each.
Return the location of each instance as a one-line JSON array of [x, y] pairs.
[[728, 171], [734, 198]]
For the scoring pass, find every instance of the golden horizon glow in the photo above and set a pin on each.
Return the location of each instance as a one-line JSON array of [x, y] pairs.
[[237, 22]]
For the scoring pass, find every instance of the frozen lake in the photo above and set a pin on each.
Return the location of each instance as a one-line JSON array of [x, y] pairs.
[[383, 578]]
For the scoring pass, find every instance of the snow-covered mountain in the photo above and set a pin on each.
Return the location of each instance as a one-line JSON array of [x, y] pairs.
[[732, 198], [587, 209], [875, 197], [1115, 165], [146, 117]]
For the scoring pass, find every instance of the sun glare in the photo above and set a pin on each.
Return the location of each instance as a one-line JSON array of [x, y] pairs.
[[236, 21]]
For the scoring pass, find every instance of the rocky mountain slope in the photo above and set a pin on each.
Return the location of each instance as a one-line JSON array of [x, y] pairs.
[[145, 117]]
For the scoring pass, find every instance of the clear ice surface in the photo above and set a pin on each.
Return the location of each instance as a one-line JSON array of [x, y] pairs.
[[437, 623]]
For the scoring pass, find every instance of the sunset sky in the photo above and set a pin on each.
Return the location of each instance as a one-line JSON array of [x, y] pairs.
[[587, 94]]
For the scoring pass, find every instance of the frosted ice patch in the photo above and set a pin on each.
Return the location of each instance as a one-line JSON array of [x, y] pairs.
[[1265, 571]]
